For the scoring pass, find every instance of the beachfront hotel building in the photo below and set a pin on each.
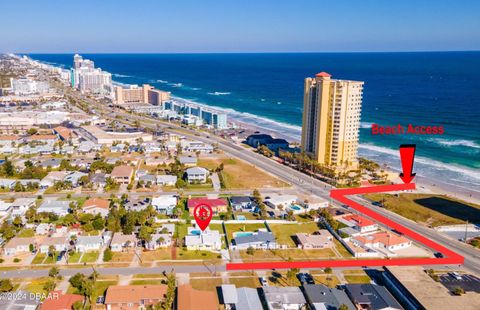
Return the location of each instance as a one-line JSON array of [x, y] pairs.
[[143, 94], [331, 120], [89, 79]]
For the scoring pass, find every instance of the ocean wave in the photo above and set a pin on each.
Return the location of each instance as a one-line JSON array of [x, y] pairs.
[[176, 84], [162, 81], [220, 93], [366, 125], [120, 75], [473, 175], [460, 142]]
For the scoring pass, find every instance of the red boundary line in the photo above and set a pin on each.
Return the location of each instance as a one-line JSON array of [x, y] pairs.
[[450, 257]]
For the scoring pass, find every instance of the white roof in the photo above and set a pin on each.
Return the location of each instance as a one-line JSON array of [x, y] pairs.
[[164, 201]]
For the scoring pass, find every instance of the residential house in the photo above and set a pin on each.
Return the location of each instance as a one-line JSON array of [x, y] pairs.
[[53, 163], [155, 161], [43, 229], [359, 223], [196, 146], [74, 177], [52, 177], [320, 296], [59, 243], [96, 206], [257, 240], [218, 205], [159, 241], [122, 174], [56, 300], [21, 205], [229, 296], [167, 228], [280, 202], [370, 296], [7, 183], [196, 175], [119, 297], [18, 245], [59, 207], [189, 298], [44, 139], [319, 240], [382, 240], [248, 299], [208, 240], [165, 204], [122, 242], [65, 134], [284, 298], [88, 243], [5, 208], [99, 180], [242, 203], [166, 180], [188, 161]]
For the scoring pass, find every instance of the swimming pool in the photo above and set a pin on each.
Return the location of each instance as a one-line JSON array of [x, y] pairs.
[[295, 207], [243, 233], [195, 232], [241, 218]]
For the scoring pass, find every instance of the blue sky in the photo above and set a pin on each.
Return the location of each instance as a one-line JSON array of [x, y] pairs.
[[238, 26]]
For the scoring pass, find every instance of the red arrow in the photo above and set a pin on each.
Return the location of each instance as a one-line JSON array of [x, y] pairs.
[[407, 155]]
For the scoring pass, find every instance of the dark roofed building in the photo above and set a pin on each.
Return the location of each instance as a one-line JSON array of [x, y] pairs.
[[240, 203], [369, 296], [258, 240], [320, 296], [272, 144]]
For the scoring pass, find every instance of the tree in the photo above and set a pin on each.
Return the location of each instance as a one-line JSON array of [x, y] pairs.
[[53, 273], [343, 307], [98, 223], [328, 270], [107, 255], [32, 131], [145, 234], [51, 251], [291, 274], [78, 305], [250, 250], [6, 285], [8, 168], [458, 291], [49, 285]]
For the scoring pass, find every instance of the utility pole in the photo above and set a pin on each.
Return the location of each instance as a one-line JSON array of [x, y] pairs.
[[466, 231]]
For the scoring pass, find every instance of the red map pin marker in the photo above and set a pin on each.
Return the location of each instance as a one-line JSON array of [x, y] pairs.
[[203, 215]]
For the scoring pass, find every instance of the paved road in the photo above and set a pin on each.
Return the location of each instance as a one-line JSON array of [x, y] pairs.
[[124, 271]]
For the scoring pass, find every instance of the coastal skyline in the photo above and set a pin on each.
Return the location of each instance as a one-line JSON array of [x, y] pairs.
[[216, 27]]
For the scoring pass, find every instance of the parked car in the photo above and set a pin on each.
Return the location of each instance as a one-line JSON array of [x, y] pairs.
[[438, 255], [263, 281], [455, 275]]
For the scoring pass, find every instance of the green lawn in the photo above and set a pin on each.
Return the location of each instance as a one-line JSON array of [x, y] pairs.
[[98, 289], [284, 233], [73, 258], [208, 284], [90, 257], [186, 254], [36, 285], [434, 210], [285, 255], [49, 260], [38, 259], [252, 282], [26, 233], [357, 278]]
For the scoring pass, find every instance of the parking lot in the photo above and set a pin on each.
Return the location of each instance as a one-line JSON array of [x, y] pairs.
[[469, 283]]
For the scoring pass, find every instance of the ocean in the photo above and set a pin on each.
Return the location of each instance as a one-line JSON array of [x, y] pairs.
[[424, 88]]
